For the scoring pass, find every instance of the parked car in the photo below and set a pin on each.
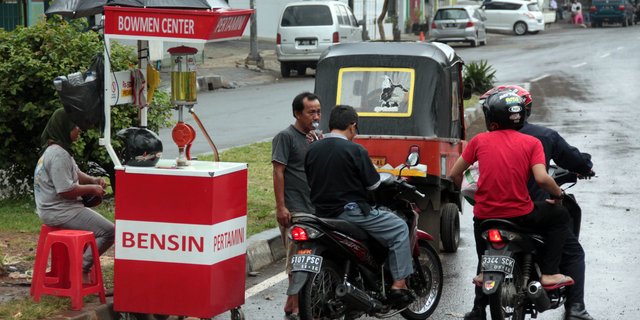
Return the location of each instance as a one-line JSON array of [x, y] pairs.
[[611, 11], [520, 16], [458, 24], [307, 28]]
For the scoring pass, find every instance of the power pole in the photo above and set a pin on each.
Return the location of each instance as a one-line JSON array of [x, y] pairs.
[[254, 57]]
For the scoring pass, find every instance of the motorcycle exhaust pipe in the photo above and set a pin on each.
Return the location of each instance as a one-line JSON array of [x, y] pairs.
[[538, 296], [357, 298]]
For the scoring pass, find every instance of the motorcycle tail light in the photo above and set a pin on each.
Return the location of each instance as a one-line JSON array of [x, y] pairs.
[[495, 236], [299, 233]]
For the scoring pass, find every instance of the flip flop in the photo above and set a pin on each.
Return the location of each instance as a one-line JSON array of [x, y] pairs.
[[565, 281]]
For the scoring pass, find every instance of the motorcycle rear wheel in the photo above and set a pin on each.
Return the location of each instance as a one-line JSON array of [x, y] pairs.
[[429, 291], [318, 292], [508, 301]]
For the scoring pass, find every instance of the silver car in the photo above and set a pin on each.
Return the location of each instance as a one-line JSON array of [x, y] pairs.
[[462, 23]]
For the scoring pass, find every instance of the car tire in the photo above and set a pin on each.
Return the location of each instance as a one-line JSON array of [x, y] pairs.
[[474, 42], [624, 22], [285, 69], [520, 28]]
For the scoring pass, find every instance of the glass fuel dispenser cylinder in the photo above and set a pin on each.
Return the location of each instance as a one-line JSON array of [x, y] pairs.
[[183, 75]]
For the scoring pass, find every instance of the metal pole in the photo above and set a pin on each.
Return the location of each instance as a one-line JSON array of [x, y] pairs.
[[254, 57], [365, 34]]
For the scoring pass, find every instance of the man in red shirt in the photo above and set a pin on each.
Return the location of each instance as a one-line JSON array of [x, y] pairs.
[[506, 158]]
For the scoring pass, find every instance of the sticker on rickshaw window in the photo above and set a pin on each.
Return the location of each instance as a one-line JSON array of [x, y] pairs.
[[377, 92]]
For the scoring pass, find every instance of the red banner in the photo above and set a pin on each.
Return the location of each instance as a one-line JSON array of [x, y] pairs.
[[176, 24]]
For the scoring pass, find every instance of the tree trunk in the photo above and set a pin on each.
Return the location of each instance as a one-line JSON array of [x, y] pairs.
[[381, 17]]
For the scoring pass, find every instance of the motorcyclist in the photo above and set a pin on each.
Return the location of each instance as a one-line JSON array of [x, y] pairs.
[[340, 174], [507, 158], [570, 158]]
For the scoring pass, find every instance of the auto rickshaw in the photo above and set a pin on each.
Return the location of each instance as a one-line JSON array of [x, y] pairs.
[[408, 96]]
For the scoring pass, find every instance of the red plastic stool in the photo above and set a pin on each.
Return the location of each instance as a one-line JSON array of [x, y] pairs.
[[70, 244], [57, 264]]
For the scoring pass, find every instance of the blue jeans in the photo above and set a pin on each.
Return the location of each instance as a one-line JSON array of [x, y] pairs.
[[390, 231]]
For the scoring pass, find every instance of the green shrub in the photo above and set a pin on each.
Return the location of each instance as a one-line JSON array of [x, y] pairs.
[[478, 77], [30, 58]]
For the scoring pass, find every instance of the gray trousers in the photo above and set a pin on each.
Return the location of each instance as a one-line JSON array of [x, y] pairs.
[[103, 230], [388, 229]]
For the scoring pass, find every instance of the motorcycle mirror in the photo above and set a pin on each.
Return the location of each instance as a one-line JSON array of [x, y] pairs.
[[414, 157]]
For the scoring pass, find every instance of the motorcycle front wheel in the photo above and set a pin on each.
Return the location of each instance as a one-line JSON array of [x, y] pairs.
[[508, 301], [426, 282], [317, 298]]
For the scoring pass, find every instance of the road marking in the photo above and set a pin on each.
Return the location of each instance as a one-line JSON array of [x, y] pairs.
[[578, 65], [265, 284], [539, 78], [605, 55]]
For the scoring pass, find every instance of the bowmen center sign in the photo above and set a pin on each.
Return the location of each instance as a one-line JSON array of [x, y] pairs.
[[195, 25]]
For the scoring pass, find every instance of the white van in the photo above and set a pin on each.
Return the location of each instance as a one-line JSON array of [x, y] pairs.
[[307, 28]]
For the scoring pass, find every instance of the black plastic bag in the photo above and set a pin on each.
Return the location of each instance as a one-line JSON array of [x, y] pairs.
[[85, 102]]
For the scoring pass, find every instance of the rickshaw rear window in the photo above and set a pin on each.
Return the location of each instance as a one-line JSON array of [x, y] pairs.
[[303, 16], [377, 92]]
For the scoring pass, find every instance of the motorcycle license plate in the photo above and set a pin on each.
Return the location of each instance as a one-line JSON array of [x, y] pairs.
[[306, 262], [498, 263]]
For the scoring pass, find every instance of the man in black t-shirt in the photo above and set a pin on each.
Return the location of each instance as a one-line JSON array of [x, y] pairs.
[[340, 173]]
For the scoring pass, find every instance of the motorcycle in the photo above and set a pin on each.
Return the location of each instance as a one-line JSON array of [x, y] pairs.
[[510, 274], [339, 271]]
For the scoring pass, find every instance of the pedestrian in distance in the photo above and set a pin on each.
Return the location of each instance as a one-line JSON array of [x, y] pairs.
[[288, 150], [59, 187], [341, 175], [576, 13]]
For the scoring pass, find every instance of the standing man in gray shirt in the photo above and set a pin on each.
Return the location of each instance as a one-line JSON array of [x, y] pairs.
[[288, 151]]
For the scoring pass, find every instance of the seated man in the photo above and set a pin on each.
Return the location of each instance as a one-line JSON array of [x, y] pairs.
[[340, 173], [507, 158]]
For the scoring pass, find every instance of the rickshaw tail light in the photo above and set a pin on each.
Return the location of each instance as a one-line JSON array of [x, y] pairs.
[[299, 234], [278, 39], [336, 37], [470, 24], [495, 236]]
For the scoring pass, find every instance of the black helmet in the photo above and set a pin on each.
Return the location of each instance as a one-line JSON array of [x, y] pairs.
[[506, 109], [142, 147]]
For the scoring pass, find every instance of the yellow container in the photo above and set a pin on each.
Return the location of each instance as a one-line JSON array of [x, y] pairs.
[[183, 75]]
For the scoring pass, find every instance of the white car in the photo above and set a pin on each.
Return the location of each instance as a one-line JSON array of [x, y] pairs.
[[308, 28], [520, 16]]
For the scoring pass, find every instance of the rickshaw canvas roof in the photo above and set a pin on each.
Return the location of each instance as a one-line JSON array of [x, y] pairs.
[[424, 81]]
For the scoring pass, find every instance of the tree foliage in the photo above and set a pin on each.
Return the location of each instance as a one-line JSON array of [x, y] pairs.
[[30, 58]]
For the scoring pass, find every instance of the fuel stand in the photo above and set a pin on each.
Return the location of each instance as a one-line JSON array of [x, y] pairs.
[[180, 246]]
